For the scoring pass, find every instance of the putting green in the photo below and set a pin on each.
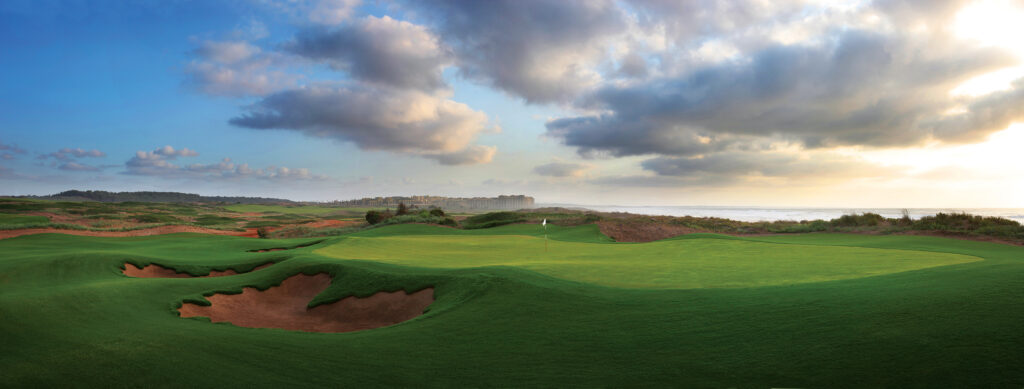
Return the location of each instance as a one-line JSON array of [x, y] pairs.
[[668, 264]]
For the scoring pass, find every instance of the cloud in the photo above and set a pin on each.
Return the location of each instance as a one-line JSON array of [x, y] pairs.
[[171, 153], [471, 155], [379, 50], [331, 12], [865, 89], [12, 148], [7, 156], [763, 164], [78, 167], [562, 169], [158, 163], [237, 69], [542, 51], [401, 121], [7, 173], [67, 154]]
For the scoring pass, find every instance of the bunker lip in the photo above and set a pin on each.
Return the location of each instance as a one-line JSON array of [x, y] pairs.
[[286, 307], [286, 248], [157, 271]]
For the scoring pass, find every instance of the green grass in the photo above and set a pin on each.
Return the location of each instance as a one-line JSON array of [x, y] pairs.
[[15, 219], [70, 318], [214, 220], [689, 263]]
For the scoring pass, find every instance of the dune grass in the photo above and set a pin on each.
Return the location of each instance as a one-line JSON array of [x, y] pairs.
[[71, 318]]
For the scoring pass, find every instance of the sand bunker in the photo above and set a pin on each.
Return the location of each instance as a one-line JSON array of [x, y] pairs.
[[157, 271], [284, 307]]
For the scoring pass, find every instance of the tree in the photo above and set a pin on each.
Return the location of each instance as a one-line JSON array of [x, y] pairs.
[[263, 233], [437, 212], [402, 209], [374, 217]]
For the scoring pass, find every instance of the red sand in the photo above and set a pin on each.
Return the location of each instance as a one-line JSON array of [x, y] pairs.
[[157, 271], [284, 307]]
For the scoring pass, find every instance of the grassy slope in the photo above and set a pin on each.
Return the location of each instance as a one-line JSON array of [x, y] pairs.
[[69, 317], [679, 264]]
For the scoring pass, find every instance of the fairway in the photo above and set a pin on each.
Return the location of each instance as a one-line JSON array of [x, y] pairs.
[[680, 263], [818, 310]]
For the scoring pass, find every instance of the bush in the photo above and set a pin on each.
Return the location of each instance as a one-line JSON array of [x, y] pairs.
[[402, 210], [449, 222], [862, 220], [492, 219], [375, 217], [262, 233], [437, 212]]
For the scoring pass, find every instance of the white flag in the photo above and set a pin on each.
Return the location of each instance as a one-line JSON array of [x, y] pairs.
[[544, 223]]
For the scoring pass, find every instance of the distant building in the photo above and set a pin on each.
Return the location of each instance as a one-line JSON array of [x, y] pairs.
[[504, 202]]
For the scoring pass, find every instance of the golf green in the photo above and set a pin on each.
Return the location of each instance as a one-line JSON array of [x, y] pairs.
[[680, 263]]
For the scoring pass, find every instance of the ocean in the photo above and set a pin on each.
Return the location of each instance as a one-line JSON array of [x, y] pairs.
[[754, 214]]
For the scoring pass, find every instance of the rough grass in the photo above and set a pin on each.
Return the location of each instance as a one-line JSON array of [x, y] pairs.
[[15, 219], [295, 210], [504, 326]]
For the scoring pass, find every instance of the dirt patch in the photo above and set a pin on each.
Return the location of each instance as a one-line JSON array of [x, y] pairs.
[[157, 271], [143, 232], [641, 232], [285, 307]]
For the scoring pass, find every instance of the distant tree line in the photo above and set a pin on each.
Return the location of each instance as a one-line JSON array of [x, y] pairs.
[[154, 197]]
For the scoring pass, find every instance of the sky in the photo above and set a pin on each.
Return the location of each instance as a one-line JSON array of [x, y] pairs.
[[847, 103]]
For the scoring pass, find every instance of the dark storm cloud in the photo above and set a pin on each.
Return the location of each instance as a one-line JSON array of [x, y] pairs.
[[403, 121], [865, 89], [380, 50], [539, 50]]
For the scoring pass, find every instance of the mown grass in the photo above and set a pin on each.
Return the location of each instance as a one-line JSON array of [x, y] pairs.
[[676, 263], [70, 317]]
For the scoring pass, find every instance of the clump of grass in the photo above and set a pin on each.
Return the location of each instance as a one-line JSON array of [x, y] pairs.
[[156, 218], [493, 219], [212, 220]]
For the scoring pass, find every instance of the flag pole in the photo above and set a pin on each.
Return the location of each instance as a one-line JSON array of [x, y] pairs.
[[545, 224]]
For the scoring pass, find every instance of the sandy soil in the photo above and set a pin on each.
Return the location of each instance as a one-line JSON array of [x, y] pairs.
[[143, 232], [157, 271], [284, 307]]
